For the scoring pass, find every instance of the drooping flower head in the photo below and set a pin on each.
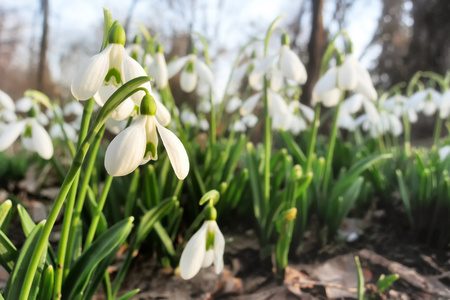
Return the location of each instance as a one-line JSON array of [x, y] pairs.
[[157, 68], [138, 143], [104, 73], [204, 248]]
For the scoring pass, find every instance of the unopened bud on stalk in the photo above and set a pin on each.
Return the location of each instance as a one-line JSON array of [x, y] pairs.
[[148, 105], [159, 48], [117, 34], [285, 40], [210, 213]]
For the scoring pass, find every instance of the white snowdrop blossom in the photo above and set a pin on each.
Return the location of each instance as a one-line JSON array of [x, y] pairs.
[[188, 117], [277, 105], [204, 248], [295, 120], [427, 101], [399, 105], [104, 73], [121, 158], [350, 76], [444, 152], [351, 106], [7, 108], [157, 69], [233, 104], [203, 125], [191, 70], [444, 110], [283, 65], [33, 136]]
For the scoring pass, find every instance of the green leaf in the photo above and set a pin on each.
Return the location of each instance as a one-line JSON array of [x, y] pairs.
[[128, 295], [405, 196], [348, 200], [385, 282], [17, 277], [8, 253], [26, 221], [293, 148], [361, 288], [150, 218], [255, 181], [39, 97], [352, 174], [79, 274], [46, 290], [165, 238], [5, 208], [132, 194]]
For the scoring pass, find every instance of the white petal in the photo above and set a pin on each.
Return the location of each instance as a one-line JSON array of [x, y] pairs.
[[91, 75], [429, 108], [175, 66], [125, 152], [277, 105], [347, 74], [42, 143], [256, 77], [445, 105], [331, 98], [417, 99], [204, 107], [192, 257], [130, 70], [219, 248], [364, 84], [371, 111], [276, 80], [158, 70], [162, 114], [188, 81], [395, 125], [6, 102], [326, 83], [208, 259], [412, 116], [10, 133], [250, 120], [9, 116], [352, 104], [204, 72], [124, 110], [249, 105], [175, 150], [151, 137], [291, 66], [24, 104], [444, 152], [307, 112], [73, 108], [233, 104]]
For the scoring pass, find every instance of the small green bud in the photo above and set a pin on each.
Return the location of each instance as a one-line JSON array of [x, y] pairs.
[[339, 59], [159, 48], [210, 213], [194, 50], [137, 39], [253, 55], [28, 133], [148, 105], [117, 34], [209, 240], [285, 40]]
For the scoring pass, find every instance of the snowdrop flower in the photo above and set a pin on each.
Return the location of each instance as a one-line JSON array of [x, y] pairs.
[[444, 110], [399, 105], [277, 105], [135, 49], [203, 125], [157, 69], [350, 76], [427, 101], [204, 248], [34, 137], [73, 108], [295, 120], [188, 117], [204, 107], [285, 64], [233, 104], [56, 131], [115, 126], [351, 106], [444, 152], [7, 108], [104, 73], [191, 70], [122, 159]]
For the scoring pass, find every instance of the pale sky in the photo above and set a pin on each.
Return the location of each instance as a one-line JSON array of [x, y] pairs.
[[82, 19]]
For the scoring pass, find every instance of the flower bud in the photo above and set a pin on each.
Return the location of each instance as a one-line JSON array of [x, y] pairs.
[[117, 34], [148, 105], [159, 48]]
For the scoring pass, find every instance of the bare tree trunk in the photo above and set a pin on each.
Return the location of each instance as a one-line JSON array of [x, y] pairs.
[[42, 69], [315, 49]]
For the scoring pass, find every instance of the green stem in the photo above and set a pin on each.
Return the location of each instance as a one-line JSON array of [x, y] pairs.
[[327, 172], [381, 143], [81, 197], [58, 168], [267, 149], [96, 218], [312, 140], [65, 231], [213, 126], [437, 130], [56, 208], [407, 135]]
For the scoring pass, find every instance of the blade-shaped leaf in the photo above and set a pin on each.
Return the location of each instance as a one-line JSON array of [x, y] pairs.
[[8, 253]]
